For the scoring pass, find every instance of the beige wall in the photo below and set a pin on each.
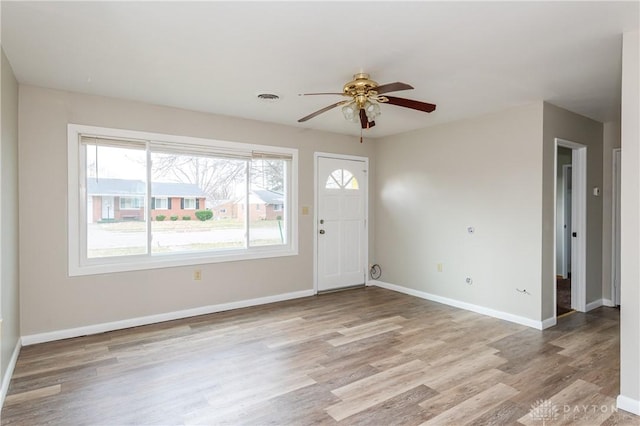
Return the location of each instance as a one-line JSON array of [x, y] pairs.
[[630, 223], [484, 172], [53, 301], [560, 123], [9, 275]]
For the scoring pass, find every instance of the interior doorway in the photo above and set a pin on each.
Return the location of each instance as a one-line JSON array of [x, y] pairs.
[[563, 230], [570, 226]]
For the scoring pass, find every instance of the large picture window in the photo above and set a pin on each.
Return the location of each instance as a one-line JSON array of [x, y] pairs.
[[140, 200]]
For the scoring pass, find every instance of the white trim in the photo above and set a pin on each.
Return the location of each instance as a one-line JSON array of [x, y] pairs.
[[78, 264], [152, 319], [608, 302], [628, 404], [549, 322], [615, 214], [365, 160], [6, 379], [579, 217], [539, 325], [594, 305]]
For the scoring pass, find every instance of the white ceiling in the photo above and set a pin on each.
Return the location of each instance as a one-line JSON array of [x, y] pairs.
[[468, 58]]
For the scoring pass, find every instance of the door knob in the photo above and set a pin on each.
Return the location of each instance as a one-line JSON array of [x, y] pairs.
[[322, 231]]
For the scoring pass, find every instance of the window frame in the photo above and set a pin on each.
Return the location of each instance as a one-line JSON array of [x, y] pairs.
[[130, 197], [79, 264], [155, 203], [184, 203]]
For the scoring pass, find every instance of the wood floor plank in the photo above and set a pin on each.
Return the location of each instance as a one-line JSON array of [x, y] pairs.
[[474, 407], [29, 396], [369, 329], [372, 390], [402, 409], [460, 393], [360, 357], [578, 403]]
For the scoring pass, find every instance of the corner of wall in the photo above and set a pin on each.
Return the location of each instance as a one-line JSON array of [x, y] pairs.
[[9, 267], [630, 236], [6, 378]]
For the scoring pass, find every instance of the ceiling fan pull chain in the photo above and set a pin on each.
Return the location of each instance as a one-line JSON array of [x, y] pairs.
[[360, 134]]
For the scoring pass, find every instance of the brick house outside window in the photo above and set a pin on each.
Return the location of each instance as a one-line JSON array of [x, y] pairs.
[[124, 199]]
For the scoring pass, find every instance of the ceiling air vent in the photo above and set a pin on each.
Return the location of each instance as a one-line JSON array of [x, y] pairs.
[[268, 97]]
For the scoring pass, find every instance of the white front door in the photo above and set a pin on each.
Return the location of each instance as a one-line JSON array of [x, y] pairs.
[[341, 216], [566, 173]]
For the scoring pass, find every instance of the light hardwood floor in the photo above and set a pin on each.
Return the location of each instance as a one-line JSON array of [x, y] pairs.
[[360, 357]]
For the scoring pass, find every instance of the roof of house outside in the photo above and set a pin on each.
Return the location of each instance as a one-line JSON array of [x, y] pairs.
[[269, 197], [108, 186], [218, 203], [159, 189], [263, 196]]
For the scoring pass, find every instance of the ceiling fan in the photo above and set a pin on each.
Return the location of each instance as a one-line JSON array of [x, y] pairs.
[[365, 97]]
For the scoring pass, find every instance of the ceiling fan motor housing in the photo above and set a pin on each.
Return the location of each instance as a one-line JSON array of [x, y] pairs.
[[360, 88]]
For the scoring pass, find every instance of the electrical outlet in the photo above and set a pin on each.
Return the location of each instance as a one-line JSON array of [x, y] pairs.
[[197, 275], [439, 266]]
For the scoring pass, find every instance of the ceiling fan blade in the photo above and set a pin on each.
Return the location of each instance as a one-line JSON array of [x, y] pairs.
[[392, 87], [371, 124], [320, 111], [324, 93], [363, 119], [410, 103]]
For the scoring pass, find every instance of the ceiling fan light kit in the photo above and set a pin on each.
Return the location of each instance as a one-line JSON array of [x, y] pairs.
[[365, 99]]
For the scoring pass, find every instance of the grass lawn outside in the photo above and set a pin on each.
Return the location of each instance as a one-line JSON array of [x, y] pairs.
[[128, 238], [181, 225]]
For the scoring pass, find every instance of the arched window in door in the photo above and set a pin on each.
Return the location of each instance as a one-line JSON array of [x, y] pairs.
[[341, 179]]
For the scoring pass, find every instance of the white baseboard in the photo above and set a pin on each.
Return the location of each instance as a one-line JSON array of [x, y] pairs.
[[6, 379], [627, 404], [549, 322], [152, 319], [539, 325], [593, 305], [608, 302]]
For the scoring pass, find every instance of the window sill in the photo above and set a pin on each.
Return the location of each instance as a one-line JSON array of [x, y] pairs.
[[142, 263]]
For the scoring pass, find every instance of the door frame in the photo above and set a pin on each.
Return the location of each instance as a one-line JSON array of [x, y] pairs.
[[578, 223], [615, 223], [316, 159]]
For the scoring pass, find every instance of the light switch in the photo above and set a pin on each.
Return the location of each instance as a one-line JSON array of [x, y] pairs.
[[596, 191]]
